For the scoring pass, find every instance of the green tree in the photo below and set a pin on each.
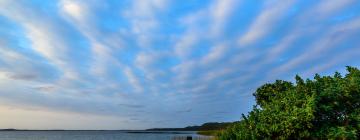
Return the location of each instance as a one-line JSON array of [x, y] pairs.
[[326, 107]]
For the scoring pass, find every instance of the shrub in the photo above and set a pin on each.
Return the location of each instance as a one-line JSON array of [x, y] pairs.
[[326, 107]]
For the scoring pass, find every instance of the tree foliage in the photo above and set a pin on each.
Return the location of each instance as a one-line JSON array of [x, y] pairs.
[[326, 107]]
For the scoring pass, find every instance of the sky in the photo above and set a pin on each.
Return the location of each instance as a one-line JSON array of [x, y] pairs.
[[137, 64]]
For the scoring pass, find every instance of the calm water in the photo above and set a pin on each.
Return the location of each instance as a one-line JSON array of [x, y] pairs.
[[89, 135]]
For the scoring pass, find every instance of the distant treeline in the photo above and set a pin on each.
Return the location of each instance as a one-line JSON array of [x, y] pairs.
[[203, 127], [10, 129]]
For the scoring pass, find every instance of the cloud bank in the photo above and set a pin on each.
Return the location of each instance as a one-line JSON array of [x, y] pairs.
[[134, 64]]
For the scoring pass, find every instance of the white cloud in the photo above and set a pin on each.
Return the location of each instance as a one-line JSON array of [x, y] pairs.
[[215, 54], [48, 41], [143, 19], [75, 9], [265, 21], [330, 40], [327, 7], [217, 14], [82, 17], [196, 76], [133, 80], [323, 10], [144, 60], [45, 41], [148, 64], [185, 44], [221, 10], [101, 56]]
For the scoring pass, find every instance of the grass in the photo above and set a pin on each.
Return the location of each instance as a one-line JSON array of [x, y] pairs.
[[209, 132]]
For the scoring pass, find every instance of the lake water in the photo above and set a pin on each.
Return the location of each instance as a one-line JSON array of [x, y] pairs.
[[94, 135]]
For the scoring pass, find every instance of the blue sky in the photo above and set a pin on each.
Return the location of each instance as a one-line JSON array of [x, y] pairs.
[[135, 64]]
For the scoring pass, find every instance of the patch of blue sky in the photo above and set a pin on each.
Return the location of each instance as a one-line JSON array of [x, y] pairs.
[[110, 19], [241, 18]]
